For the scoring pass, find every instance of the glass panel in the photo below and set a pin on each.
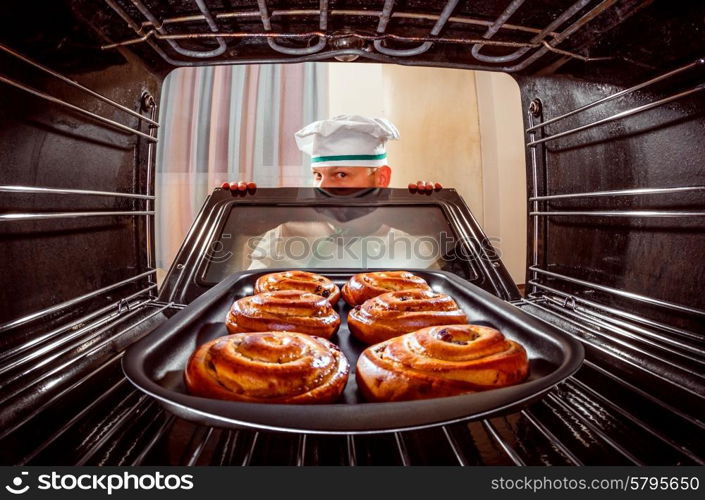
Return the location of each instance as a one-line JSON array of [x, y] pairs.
[[389, 237]]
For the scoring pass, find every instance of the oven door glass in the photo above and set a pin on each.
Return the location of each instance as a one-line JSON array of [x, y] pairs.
[[326, 236]]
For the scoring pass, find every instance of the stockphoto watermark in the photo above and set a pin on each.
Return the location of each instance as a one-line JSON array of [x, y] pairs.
[[108, 483], [355, 250]]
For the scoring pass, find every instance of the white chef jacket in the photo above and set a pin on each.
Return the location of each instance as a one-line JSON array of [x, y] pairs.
[[322, 244]]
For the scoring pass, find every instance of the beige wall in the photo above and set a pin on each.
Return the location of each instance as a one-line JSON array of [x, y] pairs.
[[503, 168], [355, 89], [436, 113], [461, 128]]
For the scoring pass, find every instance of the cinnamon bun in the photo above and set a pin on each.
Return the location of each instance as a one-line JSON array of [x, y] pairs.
[[365, 286], [299, 280], [440, 361], [396, 313], [268, 367], [289, 310]]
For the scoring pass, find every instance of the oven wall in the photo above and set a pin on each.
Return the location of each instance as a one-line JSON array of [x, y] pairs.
[[45, 262], [656, 257]]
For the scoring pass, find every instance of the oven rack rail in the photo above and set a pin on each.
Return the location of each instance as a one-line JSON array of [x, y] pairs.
[[678, 363], [45, 369], [566, 427], [95, 116], [148, 104], [536, 198], [544, 41], [533, 142]]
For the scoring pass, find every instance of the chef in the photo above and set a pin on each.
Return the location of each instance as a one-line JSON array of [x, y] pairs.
[[346, 151]]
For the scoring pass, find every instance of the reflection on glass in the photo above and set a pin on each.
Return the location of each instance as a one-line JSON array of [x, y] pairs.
[[359, 237]]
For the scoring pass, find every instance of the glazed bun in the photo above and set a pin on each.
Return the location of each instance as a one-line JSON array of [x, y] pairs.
[[365, 286], [440, 361], [268, 367], [299, 280], [396, 313], [289, 310]]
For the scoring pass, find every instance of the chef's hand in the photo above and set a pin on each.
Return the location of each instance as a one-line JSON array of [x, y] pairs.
[[425, 187], [239, 186]]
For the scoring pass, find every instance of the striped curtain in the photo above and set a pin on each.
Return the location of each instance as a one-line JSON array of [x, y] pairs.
[[224, 123]]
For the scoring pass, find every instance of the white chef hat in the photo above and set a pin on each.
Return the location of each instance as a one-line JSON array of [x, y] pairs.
[[347, 141]]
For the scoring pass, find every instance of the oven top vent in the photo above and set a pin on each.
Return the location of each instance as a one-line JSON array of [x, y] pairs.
[[512, 36]]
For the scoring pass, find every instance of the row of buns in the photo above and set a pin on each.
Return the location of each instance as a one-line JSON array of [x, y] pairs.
[[421, 345]]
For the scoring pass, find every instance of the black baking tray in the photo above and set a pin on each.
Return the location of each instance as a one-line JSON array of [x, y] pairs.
[[155, 364]]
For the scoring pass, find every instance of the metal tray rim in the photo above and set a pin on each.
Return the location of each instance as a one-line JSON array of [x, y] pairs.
[[190, 407], [213, 419]]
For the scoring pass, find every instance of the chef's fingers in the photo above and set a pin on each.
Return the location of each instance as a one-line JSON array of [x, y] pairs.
[[412, 187], [438, 186], [239, 186]]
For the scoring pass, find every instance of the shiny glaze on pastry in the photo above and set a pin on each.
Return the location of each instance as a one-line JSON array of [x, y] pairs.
[[289, 310], [268, 367], [440, 361], [365, 286], [299, 280], [396, 313]]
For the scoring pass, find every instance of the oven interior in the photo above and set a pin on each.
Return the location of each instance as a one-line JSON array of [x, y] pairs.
[[612, 94]]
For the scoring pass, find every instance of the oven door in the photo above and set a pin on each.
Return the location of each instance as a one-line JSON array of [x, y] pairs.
[[313, 228]]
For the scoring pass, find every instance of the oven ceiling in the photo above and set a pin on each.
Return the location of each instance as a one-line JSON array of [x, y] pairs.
[[605, 40]]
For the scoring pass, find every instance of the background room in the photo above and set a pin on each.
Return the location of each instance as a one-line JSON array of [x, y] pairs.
[[461, 128]]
